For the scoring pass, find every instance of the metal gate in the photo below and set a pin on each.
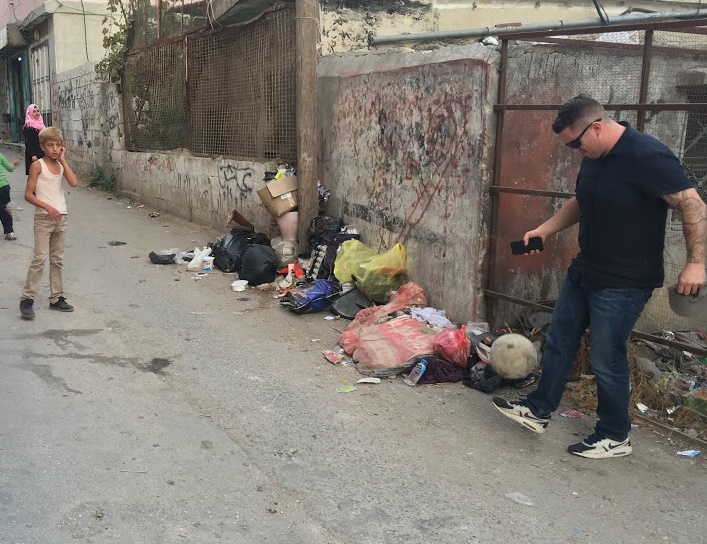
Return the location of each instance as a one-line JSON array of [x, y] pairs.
[[649, 74]]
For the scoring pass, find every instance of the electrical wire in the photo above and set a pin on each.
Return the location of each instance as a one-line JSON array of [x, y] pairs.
[[601, 11], [85, 33]]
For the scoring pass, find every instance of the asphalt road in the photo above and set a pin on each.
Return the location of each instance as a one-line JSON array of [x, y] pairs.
[[167, 409]]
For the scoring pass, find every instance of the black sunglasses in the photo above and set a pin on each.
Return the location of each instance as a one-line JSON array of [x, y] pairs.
[[577, 142]]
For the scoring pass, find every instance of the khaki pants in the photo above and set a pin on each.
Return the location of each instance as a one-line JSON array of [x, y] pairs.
[[49, 236]]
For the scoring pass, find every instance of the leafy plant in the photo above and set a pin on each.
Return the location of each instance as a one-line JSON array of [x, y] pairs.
[[100, 180], [116, 27]]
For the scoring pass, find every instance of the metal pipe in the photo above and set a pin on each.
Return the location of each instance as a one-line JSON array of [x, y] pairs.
[[537, 27]]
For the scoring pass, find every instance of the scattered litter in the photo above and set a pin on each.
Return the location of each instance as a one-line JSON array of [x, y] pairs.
[[670, 410], [347, 388], [520, 498], [642, 407], [116, 243], [333, 357], [141, 206], [314, 340], [690, 453], [369, 380], [154, 214], [330, 318], [573, 414], [435, 318]]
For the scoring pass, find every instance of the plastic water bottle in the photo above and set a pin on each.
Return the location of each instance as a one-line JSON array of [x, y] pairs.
[[416, 372]]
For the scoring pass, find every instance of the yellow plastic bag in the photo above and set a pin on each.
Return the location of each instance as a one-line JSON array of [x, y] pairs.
[[375, 275]]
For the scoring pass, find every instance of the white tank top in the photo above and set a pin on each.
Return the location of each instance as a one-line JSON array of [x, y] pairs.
[[49, 189]]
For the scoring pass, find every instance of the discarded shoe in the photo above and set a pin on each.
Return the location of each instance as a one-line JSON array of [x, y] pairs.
[[26, 309], [518, 411], [594, 447], [61, 305], [10, 236]]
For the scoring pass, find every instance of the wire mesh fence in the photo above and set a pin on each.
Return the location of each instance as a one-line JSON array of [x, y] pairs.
[[229, 92], [153, 98], [653, 79], [242, 90]]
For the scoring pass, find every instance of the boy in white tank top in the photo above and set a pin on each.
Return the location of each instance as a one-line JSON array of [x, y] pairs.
[[44, 190]]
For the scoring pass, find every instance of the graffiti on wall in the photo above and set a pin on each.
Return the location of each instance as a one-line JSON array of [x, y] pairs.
[[77, 93], [408, 138]]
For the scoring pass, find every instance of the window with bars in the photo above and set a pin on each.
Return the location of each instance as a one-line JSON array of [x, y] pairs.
[[40, 75]]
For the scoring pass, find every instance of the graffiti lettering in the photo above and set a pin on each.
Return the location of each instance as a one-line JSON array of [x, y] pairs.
[[230, 174]]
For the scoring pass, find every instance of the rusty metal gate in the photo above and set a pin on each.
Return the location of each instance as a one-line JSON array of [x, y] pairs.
[[649, 74]]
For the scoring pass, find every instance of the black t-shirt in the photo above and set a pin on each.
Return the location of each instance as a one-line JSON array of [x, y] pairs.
[[622, 215]]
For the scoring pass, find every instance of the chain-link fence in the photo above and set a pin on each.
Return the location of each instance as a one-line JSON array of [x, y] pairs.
[[228, 92], [651, 76]]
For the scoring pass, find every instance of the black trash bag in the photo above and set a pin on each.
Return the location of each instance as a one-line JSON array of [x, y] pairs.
[[161, 259], [350, 303], [484, 378], [228, 250], [321, 225], [258, 264], [260, 238]]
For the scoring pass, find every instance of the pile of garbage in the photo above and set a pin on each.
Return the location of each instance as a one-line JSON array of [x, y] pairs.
[[393, 330]]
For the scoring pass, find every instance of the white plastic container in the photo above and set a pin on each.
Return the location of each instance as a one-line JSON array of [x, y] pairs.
[[239, 285]]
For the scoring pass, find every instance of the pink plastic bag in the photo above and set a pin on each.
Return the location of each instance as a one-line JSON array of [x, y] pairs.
[[453, 346]]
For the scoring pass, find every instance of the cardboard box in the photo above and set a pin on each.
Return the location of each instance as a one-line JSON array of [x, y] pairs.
[[280, 195]]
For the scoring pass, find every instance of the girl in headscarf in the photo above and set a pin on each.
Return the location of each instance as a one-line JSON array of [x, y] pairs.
[[33, 124]]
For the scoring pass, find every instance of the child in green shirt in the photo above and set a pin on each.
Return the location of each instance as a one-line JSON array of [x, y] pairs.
[[5, 215]]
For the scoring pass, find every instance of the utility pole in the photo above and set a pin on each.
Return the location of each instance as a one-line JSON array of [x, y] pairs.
[[307, 33]]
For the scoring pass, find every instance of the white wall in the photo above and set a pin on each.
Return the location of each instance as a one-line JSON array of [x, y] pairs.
[[74, 44]]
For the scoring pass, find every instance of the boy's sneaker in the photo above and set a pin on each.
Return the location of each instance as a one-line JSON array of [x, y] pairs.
[[518, 411], [61, 305], [10, 236], [26, 308], [595, 447]]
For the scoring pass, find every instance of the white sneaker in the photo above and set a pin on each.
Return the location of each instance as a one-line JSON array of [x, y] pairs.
[[518, 411], [594, 447], [10, 236]]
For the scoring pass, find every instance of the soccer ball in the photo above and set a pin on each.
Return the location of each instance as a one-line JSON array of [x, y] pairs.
[[513, 356]]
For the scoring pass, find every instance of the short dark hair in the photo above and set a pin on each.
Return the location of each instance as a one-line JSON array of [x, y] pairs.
[[580, 107]]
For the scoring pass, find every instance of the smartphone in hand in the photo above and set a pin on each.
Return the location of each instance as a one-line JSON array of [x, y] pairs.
[[519, 247]]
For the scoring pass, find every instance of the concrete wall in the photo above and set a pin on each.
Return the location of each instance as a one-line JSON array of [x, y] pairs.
[[75, 45], [405, 147], [346, 24], [89, 115]]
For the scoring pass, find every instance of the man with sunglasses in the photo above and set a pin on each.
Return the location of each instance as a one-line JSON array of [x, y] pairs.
[[625, 184]]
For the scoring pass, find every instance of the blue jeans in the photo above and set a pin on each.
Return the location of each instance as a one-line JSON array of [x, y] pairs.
[[611, 315]]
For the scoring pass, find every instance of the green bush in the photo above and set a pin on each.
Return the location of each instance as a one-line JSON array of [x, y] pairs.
[[100, 180]]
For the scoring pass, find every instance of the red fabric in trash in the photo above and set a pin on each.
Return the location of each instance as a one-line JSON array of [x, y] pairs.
[[376, 346], [388, 348]]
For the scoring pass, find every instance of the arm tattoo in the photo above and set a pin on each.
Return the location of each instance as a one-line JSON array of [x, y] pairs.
[[694, 223]]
